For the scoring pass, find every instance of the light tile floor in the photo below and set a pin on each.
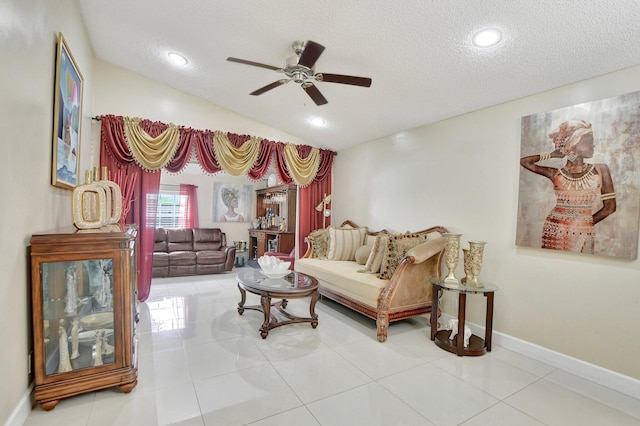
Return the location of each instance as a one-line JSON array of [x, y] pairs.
[[200, 363]]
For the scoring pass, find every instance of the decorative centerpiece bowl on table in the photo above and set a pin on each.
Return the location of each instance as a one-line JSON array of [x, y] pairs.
[[273, 267]]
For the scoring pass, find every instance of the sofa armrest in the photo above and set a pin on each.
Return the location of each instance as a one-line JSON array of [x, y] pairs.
[[309, 252], [230, 254], [409, 284]]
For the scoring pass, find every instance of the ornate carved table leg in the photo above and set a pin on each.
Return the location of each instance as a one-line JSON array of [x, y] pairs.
[[265, 301], [243, 298], [312, 309]]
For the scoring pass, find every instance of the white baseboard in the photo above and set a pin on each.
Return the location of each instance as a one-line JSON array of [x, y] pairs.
[[19, 415], [602, 376]]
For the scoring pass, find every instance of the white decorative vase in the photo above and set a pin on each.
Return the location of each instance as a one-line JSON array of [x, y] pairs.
[[451, 256], [88, 205], [476, 251], [97, 203], [114, 199]]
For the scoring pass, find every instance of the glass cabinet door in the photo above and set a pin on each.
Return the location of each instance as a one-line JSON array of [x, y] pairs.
[[77, 314]]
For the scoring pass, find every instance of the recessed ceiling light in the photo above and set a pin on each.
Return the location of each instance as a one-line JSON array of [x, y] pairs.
[[317, 121], [487, 37], [177, 58]]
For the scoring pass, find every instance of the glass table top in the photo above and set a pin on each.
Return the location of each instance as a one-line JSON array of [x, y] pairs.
[[292, 282], [462, 288]]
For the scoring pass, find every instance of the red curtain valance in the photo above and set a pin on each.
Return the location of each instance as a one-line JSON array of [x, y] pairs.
[[113, 136]]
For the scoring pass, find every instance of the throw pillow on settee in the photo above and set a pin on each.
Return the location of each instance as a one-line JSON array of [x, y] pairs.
[[397, 247]]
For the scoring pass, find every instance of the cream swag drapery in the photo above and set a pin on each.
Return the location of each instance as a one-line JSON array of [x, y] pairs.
[[154, 153], [151, 153], [235, 161], [303, 171]]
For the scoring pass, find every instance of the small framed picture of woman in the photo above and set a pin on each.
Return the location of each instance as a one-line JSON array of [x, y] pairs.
[[231, 202]]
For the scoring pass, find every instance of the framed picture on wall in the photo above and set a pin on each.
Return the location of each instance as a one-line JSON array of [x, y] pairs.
[[579, 178], [231, 202], [67, 119]]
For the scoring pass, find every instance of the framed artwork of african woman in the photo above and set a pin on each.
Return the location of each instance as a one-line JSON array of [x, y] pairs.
[[67, 119], [232, 202], [579, 178]]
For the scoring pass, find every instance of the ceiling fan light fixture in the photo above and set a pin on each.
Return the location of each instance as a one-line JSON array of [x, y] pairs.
[[291, 63], [487, 37], [177, 59], [317, 121]]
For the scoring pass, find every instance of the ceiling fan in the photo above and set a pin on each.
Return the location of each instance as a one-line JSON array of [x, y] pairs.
[[300, 69]]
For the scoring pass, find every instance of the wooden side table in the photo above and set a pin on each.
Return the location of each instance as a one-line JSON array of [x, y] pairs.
[[477, 346]]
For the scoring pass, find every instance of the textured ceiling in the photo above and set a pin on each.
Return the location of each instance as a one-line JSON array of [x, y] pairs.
[[418, 53]]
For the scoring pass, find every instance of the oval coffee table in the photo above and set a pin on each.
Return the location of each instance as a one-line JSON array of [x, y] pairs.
[[295, 285]]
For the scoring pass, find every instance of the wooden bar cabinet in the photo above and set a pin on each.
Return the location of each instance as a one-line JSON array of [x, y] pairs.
[[84, 311], [281, 202]]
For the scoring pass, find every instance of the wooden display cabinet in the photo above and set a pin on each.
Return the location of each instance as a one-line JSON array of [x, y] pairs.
[[282, 201], [84, 309]]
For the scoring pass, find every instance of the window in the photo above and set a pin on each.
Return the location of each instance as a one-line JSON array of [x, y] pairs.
[[175, 206], [170, 209]]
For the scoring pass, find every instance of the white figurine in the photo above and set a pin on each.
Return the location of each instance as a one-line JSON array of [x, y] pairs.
[[467, 336], [453, 326], [64, 364], [71, 305], [104, 294], [98, 353], [75, 330], [107, 349]]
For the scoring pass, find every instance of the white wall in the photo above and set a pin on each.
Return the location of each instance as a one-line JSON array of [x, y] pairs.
[[28, 35], [463, 173]]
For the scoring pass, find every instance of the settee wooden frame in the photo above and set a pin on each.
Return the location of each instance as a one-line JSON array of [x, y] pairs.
[[406, 271]]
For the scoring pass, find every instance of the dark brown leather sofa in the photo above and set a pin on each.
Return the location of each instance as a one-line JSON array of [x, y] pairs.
[[199, 251]]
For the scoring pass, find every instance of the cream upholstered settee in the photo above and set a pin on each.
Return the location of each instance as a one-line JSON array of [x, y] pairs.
[[391, 285]]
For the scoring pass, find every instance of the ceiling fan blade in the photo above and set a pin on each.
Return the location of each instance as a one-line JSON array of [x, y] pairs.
[[310, 54], [268, 87], [344, 79], [255, 64], [314, 94]]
